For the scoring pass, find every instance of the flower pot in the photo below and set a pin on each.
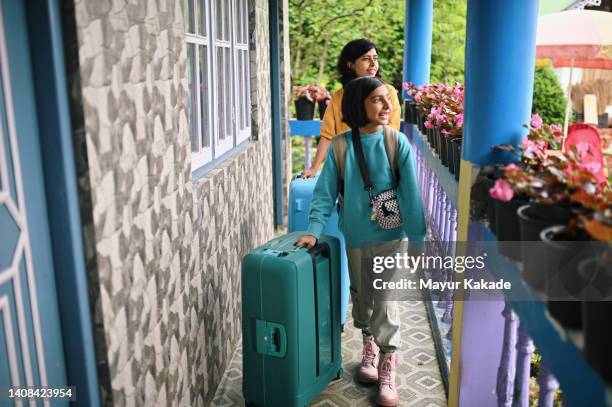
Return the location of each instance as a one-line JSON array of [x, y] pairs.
[[488, 184], [304, 109], [431, 136], [450, 155], [445, 150], [419, 122], [562, 255], [322, 106], [596, 317], [456, 143], [533, 219], [507, 227], [410, 112]]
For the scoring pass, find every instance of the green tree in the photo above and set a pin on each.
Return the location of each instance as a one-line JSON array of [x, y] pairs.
[[319, 29], [548, 97], [448, 41]]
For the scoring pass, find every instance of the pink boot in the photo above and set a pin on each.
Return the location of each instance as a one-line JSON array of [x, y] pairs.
[[387, 393], [368, 371]]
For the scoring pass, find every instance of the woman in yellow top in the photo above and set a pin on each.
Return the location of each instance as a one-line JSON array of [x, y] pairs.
[[358, 58]]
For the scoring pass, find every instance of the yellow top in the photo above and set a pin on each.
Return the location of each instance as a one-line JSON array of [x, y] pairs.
[[333, 125]]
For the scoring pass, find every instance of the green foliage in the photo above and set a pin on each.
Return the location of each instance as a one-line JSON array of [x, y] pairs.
[[548, 97], [448, 41], [320, 28]]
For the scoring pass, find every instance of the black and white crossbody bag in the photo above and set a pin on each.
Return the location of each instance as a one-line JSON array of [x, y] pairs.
[[385, 207]]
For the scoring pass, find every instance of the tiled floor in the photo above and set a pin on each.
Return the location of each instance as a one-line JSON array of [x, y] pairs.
[[418, 379]]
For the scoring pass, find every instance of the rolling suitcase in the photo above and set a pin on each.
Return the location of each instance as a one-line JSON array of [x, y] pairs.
[[290, 321], [300, 195]]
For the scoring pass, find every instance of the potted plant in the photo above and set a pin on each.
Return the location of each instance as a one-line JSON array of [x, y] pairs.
[[323, 98], [410, 104], [305, 97]]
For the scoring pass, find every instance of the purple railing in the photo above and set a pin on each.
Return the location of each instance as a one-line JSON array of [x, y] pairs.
[[514, 371]]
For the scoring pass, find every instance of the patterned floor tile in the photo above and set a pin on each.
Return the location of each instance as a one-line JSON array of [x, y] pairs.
[[418, 375]]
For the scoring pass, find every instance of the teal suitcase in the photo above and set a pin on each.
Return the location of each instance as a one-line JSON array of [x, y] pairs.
[[290, 321]]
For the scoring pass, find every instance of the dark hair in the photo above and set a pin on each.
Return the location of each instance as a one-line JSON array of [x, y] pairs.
[[351, 51], [353, 100]]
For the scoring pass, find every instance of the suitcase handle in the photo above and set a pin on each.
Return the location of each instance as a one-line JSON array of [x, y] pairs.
[[319, 248], [271, 338]]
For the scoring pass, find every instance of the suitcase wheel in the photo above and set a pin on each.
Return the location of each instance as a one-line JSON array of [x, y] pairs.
[[339, 374]]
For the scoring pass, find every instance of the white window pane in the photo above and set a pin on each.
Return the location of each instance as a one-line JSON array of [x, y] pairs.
[[202, 21], [244, 88], [189, 13], [219, 18], [220, 93], [192, 99], [229, 125], [204, 97]]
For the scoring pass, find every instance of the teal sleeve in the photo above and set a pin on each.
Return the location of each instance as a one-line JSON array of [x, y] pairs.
[[410, 202], [324, 197]]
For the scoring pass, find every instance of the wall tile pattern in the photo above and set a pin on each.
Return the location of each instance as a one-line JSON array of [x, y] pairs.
[[167, 249]]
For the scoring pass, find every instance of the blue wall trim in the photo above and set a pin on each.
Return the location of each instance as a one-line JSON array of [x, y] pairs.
[[275, 64], [50, 87]]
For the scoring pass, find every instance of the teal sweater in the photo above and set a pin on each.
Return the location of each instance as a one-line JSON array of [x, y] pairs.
[[354, 221]]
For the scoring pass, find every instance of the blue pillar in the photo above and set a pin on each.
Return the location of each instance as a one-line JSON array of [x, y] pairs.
[[499, 69], [417, 41]]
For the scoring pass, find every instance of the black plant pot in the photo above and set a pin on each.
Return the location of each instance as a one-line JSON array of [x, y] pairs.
[[434, 142], [533, 219], [488, 184], [443, 149], [322, 107], [410, 112], [304, 109], [562, 255], [507, 227], [596, 316], [456, 143], [450, 155], [419, 122]]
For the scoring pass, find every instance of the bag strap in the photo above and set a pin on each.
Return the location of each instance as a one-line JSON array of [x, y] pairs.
[[365, 175], [339, 150], [392, 148]]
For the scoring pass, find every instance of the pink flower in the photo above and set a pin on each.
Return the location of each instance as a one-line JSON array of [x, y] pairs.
[[557, 139], [417, 98], [501, 191], [445, 132], [536, 121], [428, 124], [511, 167], [556, 128], [459, 120]]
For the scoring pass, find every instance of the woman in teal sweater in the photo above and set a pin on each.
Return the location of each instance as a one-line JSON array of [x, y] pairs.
[[366, 108]]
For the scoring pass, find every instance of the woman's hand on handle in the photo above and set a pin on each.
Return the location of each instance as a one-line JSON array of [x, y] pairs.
[[307, 241], [309, 173]]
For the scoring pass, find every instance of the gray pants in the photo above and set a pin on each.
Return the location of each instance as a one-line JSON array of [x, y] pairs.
[[372, 312]]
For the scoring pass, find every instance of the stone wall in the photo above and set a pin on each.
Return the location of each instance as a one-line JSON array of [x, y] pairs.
[[165, 249]]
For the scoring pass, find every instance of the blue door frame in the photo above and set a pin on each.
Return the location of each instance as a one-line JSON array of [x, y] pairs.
[[43, 137], [275, 79]]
